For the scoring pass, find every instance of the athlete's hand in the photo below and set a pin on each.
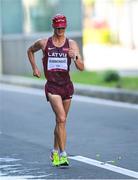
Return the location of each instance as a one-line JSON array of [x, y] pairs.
[[36, 73], [72, 53]]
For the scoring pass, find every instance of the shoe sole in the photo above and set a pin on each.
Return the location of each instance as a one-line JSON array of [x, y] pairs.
[[64, 164]]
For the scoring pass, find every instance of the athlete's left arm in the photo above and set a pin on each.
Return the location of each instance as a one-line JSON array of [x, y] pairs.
[[74, 53]]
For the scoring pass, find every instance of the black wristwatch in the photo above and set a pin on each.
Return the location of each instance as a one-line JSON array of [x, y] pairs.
[[76, 58]]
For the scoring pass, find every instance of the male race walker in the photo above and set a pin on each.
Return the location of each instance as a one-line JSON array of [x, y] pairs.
[[58, 54]]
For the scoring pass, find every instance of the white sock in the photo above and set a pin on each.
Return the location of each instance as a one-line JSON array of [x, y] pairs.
[[63, 153], [54, 150]]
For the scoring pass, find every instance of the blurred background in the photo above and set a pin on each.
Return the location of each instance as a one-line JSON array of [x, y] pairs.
[[24, 21], [110, 30], [106, 31]]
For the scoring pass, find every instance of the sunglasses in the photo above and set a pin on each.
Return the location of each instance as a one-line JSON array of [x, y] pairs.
[[60, 28]]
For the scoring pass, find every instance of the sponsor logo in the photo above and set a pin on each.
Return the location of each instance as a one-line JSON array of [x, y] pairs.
[[50, 48]]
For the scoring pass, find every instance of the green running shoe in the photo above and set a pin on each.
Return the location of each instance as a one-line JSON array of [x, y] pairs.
[[55, 158], [63, 161]]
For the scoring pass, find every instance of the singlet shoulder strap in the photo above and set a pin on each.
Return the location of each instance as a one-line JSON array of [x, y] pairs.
[[49, 41], [67, 42]]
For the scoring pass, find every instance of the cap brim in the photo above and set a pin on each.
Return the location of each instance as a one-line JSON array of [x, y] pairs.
[[60, 25]]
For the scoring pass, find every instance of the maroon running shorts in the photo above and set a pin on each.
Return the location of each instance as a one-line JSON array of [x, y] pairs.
[[65, 91]]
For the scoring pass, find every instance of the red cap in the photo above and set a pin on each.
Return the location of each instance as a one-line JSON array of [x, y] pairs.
[[59, 21]]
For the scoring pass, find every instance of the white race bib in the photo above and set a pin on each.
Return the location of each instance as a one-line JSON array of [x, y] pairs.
[[57, 63]]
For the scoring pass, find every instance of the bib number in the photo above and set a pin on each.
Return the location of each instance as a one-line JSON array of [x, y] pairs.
[[57, 63]]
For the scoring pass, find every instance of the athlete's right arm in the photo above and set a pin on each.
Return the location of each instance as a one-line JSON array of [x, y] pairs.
[[38, 45]]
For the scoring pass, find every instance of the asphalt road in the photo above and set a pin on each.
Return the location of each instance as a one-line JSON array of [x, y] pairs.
[[97, 129]]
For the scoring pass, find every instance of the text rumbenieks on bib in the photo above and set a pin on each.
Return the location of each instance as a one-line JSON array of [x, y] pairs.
[[56, 63]]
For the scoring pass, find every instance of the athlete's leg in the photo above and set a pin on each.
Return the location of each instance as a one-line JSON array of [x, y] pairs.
[[56, 144], [60, 130], [66, 105]]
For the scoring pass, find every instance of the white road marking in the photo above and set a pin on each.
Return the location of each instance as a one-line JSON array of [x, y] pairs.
[[23, 177], [14, 168], [3, 177], [84, 99], [12, 165], [107, 166], [8, 160]]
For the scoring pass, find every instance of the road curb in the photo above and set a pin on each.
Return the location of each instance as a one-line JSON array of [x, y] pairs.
[[80, 89], [107, 93]]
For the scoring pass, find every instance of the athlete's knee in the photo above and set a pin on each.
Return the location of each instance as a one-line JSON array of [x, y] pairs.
[[61, 119]]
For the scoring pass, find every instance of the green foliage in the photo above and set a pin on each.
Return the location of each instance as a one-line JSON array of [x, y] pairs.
[[110, 75], [96, 78]]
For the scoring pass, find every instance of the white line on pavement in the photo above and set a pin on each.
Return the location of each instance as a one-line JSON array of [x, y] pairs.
[[20, 89], [105, 102], [107, 166], [39, 92]]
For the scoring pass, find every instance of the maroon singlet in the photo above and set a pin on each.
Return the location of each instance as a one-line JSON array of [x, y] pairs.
[[56, 63]]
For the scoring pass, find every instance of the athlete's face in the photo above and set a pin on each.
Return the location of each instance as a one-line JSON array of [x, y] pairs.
[[59, 31]]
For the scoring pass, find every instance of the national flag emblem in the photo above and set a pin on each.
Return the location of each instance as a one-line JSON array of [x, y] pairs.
[[65, 49]]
